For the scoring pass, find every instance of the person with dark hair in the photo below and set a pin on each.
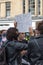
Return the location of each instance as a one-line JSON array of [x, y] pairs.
[[40, 40], [40, 27], [35, 47], [13, 48], [21, 39], [12, 34]]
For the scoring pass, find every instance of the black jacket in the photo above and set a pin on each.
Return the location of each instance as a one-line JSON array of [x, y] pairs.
[[13, 50], [35, 51], [40, 43]]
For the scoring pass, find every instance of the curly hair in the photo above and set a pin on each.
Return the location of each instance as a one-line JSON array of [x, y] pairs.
[[11, 34], [40, 27]]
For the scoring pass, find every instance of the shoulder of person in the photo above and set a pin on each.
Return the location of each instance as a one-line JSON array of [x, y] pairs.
[[4, 44], [32, 42]]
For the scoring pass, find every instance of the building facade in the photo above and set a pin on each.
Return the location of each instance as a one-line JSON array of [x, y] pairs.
[[10, 8]]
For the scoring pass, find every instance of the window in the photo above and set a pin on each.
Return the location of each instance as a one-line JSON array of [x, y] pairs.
[[23, 6], [32, 6], [39, 7], [8, 5]]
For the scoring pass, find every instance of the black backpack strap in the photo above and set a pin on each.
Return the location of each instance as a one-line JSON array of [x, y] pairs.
[[37, 43]]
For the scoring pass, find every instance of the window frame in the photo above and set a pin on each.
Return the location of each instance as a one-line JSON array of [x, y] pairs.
[[8, 8]]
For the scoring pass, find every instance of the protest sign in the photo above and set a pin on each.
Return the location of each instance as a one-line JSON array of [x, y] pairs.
[[24, 21]]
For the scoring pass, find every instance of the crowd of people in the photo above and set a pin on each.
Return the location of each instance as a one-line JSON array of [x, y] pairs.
[[23, 50]]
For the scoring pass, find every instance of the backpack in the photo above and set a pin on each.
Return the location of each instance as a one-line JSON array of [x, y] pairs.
[[3, 56]]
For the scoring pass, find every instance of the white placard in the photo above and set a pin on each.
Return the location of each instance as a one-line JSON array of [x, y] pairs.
[[24, 21]]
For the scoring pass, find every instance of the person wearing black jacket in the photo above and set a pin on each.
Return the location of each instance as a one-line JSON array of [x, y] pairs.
[[14, 48], [21, 39], [35, 48]]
